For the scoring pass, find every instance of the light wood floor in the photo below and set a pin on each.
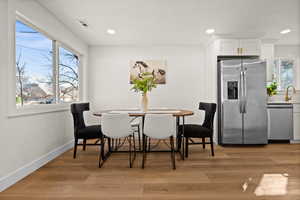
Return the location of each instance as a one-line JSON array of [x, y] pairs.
[[269, 172]]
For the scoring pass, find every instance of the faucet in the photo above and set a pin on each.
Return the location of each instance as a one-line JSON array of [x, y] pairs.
[[287, 97]]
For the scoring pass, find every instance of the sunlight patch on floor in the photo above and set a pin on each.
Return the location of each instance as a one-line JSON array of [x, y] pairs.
[[272, 185]]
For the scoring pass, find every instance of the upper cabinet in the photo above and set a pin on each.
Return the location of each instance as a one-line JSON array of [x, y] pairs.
[[228, 47], [250, 47], [238, 47]]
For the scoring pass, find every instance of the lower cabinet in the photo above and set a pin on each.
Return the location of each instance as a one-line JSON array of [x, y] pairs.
[[296, 122]]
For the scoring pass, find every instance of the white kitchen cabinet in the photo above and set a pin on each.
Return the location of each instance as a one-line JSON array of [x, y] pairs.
[[250, 47], [228, 47], [296, 122], [238, 47]]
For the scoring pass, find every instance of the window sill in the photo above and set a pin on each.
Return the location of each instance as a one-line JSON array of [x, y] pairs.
[[38, 110]]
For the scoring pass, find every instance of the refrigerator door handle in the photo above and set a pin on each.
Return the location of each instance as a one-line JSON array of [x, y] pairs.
[[245, 91], [241, 95]]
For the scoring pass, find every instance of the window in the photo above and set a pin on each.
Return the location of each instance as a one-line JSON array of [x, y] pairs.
[[41, 78], [34, 73], [68, 76], [284, 72]]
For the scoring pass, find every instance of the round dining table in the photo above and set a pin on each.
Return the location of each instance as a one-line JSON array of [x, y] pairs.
[[177, 113], [139, 113]]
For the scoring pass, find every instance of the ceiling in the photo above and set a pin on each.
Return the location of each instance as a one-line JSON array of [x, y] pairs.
[[174, 22]]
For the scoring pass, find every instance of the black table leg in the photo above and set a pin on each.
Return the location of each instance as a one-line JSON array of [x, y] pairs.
[[142, 132], [182, 138], [178, 139]]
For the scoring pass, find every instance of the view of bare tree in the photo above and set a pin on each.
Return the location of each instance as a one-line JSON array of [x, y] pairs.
[[68, 74], [20, 71]]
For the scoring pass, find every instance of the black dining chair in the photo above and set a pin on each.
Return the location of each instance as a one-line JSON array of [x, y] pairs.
[[203, 131], [81, 131]]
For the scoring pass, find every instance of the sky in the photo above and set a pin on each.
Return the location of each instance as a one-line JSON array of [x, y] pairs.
[[35, 50]]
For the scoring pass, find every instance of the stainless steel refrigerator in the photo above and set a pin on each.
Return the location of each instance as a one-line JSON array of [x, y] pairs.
[[242, 98]]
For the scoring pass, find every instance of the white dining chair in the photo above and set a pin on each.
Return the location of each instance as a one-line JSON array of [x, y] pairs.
[[159, 126], [117, 126]]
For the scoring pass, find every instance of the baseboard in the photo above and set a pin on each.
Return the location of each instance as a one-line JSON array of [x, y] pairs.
[[24, 171], [295, 141]]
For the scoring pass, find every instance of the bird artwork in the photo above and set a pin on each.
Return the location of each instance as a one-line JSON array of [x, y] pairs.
[[156, 67]]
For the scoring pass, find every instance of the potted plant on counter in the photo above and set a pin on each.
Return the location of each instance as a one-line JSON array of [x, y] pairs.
[[144, 84], [272, 89]]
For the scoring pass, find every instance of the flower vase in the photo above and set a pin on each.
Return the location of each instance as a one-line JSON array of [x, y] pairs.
[[144, 102]]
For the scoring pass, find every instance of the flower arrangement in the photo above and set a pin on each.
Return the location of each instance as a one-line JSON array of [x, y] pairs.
[[144, 84]]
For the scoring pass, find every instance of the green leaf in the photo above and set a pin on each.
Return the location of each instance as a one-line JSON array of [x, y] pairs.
[[144, 84], [272, 89]]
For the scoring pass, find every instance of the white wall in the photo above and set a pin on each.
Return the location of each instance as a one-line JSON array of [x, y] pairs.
[[109, 77], [212, 78], [287, 51], [24, 139]]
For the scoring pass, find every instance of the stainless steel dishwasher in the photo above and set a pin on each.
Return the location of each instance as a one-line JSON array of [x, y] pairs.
[[280, 121]]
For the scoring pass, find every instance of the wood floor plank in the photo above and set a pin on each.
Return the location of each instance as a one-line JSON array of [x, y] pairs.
[[270, 172]]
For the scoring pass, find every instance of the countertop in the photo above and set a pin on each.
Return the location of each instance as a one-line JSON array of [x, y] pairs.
[[284, 102]]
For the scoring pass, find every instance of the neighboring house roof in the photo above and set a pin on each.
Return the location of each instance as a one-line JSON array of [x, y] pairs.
[[34, 91]]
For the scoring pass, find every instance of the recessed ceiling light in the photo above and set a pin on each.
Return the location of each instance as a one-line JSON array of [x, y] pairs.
[[83, 23], [210, 31], [111, 31], [285, 31]]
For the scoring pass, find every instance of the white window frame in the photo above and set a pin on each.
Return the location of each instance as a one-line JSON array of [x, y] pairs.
[[13, 110]]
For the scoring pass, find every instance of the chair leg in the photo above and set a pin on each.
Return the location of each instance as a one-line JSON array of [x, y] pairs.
[[149, 144], [109, 144], [172, 152], [134, 148], [203, 142], [144, 151], [182, 147], [119, 143], [116, 144], [143, 143], [75, 147], [84, 145], [139, 137], [131, 159], [129, 141], [212, 146], [186, 147], [112, 144], [178, 142], [101, 154]]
